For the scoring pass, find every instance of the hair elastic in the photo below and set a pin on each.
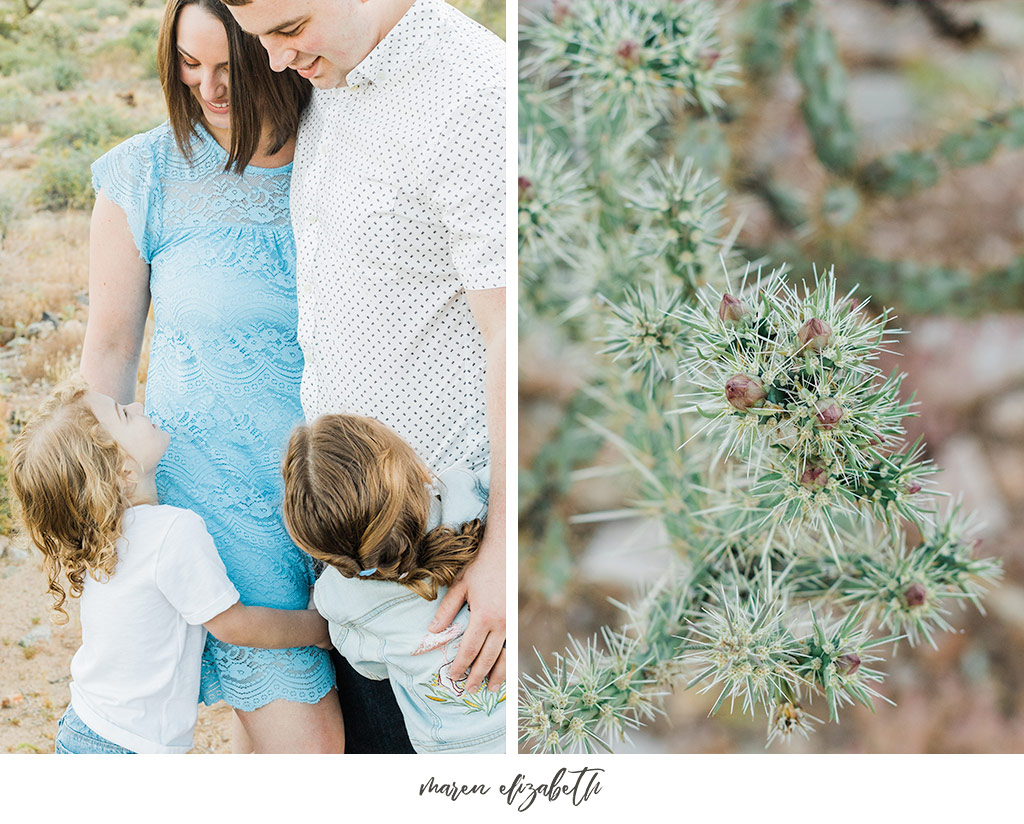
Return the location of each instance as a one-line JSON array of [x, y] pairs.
[[366, 572]]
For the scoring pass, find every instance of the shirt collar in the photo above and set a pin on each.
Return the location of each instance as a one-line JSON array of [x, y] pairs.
[[402, 45]]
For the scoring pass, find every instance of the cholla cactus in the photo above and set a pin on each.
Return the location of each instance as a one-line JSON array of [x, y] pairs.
[[750, 408], [631, 57], [789, 383]]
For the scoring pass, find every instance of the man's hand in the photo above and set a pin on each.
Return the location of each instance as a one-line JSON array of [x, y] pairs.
[[482, 586]]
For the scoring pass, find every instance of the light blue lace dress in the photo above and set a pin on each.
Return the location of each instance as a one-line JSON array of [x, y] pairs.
[[224, 374]]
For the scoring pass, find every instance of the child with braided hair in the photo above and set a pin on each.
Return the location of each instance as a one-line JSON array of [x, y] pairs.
[[392, 539]]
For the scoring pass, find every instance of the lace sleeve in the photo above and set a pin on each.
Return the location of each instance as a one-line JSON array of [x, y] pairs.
[[127, 175]]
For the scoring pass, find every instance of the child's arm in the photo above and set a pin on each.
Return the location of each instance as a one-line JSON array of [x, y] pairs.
[[269, 628]]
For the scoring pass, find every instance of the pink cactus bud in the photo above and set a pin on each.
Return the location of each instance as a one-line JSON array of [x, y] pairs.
[[709, 58], [915, 595], [912, 488], [731, 310], [848, 664], [524, 188], [814, 476], [829, 413], [744, 392], [628, 52], [813, 335], [560, 10]]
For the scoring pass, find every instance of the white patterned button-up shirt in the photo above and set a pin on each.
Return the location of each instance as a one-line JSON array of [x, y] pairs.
[[398, 206]]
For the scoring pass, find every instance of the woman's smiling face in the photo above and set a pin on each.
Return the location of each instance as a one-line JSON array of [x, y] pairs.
[[203, 53]]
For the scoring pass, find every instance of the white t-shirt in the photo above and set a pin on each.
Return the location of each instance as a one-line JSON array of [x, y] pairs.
[[398, 207], [135, 679]]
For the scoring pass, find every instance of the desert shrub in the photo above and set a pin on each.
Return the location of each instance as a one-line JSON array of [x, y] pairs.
[[6, 516], [88, 124], [17, 104], [63, 179], [52, 357], [62, 74], [71, 144], [142, 35], [117, 10], [10, 202]]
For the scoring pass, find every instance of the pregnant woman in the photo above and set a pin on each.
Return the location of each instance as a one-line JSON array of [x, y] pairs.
[[194, 218]]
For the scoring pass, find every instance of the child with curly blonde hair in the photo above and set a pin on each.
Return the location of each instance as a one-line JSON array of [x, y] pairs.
[[149, 577], [393, 538]]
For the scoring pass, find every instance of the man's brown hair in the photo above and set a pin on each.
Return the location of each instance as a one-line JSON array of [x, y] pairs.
[[259, 97]]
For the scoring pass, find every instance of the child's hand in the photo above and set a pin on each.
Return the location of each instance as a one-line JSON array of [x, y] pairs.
[[325, 641]]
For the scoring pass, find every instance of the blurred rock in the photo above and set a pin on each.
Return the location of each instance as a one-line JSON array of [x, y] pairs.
[[628, 553], [38, 634], [43, 327], [13, 550], [1004, 417], [966, 472], [953, 365], [1008, 468]]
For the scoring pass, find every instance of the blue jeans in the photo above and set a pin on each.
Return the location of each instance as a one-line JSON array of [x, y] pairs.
[[74, 737]]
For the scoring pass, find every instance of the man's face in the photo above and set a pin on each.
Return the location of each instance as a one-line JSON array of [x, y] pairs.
[[322, 40]]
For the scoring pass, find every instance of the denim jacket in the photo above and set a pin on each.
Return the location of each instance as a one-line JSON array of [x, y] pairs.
[[380, 627]]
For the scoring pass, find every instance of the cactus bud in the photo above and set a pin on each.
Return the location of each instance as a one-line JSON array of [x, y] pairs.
[[814, 476], [914, 595], [814, 335], [524, 189], [744, 392], [709, 58], [731, 310], [560, 10], [628, 52], [829, 413], [848, 664], [912, 488]]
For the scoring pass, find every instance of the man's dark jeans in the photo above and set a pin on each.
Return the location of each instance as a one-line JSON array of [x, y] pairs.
[[373, 721]]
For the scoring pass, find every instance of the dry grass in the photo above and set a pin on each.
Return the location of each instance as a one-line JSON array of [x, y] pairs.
[[44, 266], [51, 358]]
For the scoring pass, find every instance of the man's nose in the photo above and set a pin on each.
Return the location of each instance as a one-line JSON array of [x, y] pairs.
[[280, 56]]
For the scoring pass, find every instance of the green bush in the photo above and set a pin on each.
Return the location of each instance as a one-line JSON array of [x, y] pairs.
[[17, 104], [142, 36], [61, 75], [73, 141], [10, 202], [6, 515], [63, 179], [88, 125]]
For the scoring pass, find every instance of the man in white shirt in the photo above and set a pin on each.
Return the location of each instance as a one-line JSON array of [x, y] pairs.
[[398, 208]]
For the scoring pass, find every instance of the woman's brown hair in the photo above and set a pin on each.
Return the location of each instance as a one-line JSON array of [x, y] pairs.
[[357, 498], [67, 474], [259, 97]]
